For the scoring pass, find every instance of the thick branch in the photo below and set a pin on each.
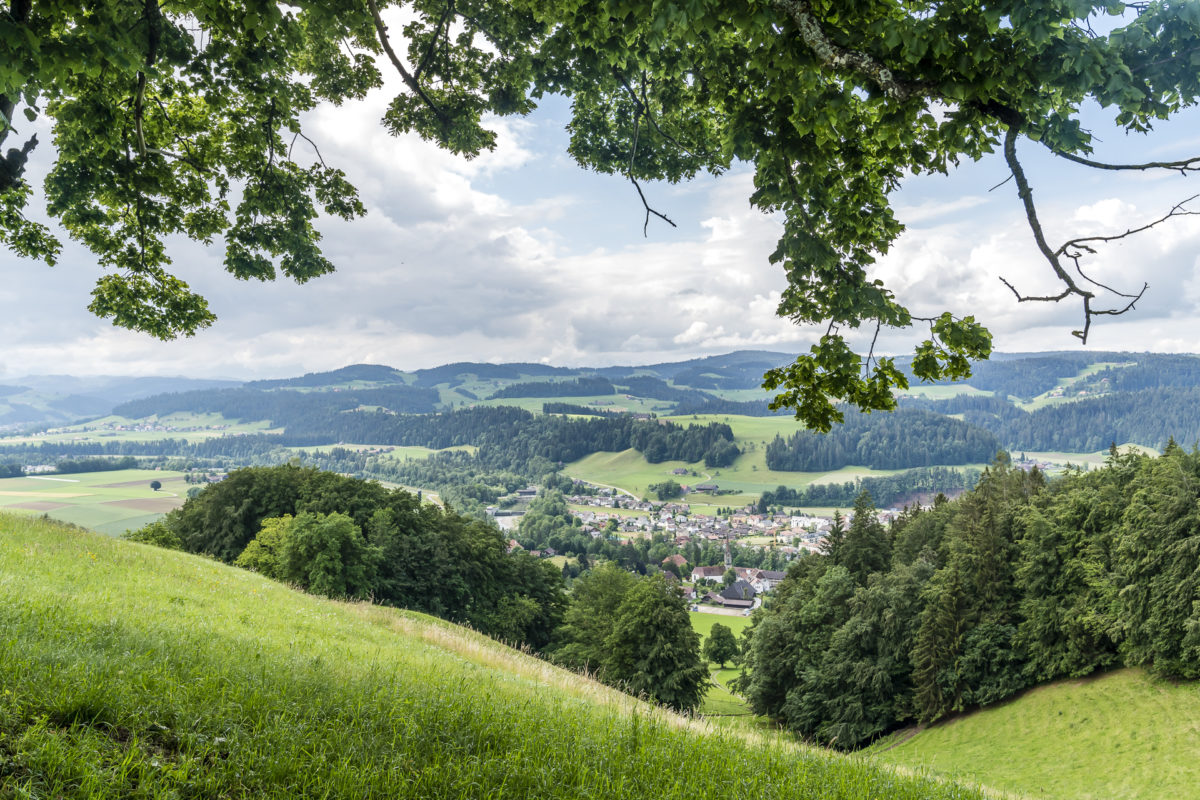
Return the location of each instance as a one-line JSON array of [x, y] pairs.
[[1026, 194], [152, 16], [838, 57], [437, 34], [409, 80]]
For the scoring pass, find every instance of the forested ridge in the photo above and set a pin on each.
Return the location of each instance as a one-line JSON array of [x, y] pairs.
[[1148, 417], [1019, 582], [903, 438], [886, 490]]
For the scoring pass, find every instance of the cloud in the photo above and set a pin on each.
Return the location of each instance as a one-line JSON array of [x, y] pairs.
[[519, 255]]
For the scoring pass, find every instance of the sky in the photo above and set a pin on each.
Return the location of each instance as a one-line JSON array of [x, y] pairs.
[[520, 255]]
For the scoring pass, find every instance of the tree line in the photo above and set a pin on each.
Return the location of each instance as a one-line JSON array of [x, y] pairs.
[[585, 386], [886, 489], [1020, 581], [905, 438]]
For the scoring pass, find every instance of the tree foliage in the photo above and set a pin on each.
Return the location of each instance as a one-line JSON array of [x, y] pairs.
[[721, 645], [184, 119], [633, 633]]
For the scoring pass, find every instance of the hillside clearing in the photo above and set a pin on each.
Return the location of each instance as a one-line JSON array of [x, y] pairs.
[[1123, 734]]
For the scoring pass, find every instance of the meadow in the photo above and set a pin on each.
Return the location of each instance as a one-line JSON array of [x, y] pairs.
[[130, 671], [1121, 734], [719, 700], [108, 502]]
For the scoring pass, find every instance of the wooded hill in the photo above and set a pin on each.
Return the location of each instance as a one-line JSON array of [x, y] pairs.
[[1018, 582]]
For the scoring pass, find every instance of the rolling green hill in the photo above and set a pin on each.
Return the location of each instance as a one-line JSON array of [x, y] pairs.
[[1122, 734], [129, 671]]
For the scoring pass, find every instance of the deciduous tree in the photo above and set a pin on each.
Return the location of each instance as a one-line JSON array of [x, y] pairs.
[[183, 119]]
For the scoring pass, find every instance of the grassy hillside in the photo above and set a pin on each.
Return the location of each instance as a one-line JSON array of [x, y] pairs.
[[127, 671], [1123, 734]]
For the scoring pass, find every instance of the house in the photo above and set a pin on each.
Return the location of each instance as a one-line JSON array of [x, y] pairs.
[[765, 580], [679, 471], [708, 573], [738, 590], [677, 559], [708, 488], [514, 545]]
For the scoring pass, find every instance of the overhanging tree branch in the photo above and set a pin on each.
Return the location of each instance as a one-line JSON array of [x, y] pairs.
[[409, 80]]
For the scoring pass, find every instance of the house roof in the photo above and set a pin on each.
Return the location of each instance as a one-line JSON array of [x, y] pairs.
[[739, 590]]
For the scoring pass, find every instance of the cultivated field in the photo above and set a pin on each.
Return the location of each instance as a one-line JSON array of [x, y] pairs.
[[108, 502]]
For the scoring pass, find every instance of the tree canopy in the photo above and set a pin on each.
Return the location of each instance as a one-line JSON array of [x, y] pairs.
[[183, 118]]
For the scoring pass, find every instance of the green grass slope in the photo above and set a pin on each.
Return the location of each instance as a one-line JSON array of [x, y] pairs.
[[127, 671], [1122, 734]]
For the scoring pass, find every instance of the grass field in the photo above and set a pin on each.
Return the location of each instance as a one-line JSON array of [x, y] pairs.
[[133, 672], [943, 392], [109, 502], [719, 699], [1044, 399], [748, 477], [1123, 734]]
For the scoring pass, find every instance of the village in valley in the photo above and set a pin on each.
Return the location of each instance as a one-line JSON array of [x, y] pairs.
[[715, 588]]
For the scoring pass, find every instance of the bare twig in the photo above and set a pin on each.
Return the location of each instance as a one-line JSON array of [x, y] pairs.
[[637, 115], [1178, 210]]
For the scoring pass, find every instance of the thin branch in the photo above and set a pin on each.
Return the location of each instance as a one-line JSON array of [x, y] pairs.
[[300, 135], [381, 32], [1001, 183], [433, 41], [1183, 165], [644, 103], [637, 115], [1178, 210], [1029, 299]]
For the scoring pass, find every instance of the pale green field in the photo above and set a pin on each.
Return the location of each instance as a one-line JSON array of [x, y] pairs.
[[616, 512], [1091, 460], [108, 502], [1044, 399], [942, 392], [100, 430], [619, 403], [1121, 735]]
